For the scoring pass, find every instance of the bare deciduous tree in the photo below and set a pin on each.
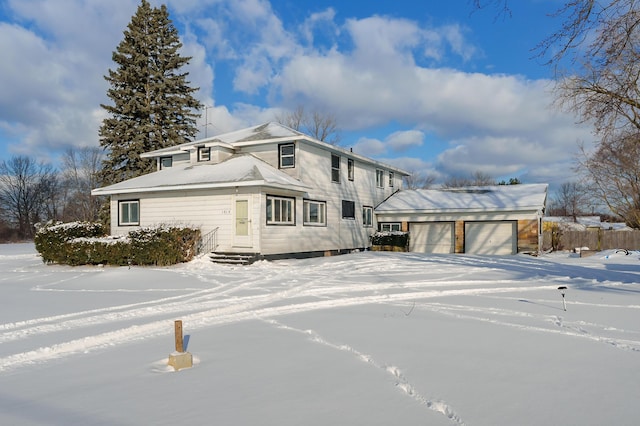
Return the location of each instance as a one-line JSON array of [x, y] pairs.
[[614, 175], [81, 172], [477, 179], [569, 200], [26, 190], [419, 180], [320, 125]]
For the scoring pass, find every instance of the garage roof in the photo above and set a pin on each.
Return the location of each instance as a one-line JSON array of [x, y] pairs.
[[477, 198]]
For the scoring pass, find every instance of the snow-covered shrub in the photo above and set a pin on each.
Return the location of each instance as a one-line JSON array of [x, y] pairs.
[[51, 237], [390, 240], [87, 244]]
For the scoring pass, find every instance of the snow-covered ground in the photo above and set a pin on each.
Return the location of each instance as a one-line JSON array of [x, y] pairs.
[[362, 339]]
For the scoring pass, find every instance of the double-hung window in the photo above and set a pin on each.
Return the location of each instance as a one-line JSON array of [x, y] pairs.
[[315, 213], [129, 213], [335, 168], [379, 178], [204, 153], [280, 210], [350, 168], [367, 216], [287, 155]]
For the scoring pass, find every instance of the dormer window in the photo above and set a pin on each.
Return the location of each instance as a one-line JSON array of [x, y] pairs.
[[287, 155], [204, 153], [166, 162]]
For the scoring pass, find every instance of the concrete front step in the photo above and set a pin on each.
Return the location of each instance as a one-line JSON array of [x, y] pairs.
[[234, 258]]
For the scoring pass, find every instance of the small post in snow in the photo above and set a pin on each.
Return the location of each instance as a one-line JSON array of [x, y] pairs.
[[563, 289], [180, 359]]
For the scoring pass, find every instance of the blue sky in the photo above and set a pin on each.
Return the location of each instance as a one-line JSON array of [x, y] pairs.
[[432, 87]]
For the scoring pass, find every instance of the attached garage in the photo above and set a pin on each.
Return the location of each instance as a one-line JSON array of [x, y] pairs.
[[491, 237], [486, 220], [432, 237]]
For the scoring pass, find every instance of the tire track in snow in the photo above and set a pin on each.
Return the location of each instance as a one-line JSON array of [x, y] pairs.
[[248, 310], [401, 382], [561, 328]]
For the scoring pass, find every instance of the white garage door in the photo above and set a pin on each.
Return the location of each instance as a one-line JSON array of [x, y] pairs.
[[436, 237], [490, 237]]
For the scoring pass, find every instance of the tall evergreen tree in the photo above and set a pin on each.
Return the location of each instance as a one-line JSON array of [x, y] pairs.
[[153, 105]]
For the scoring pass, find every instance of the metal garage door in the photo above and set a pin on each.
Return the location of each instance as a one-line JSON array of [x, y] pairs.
[[435, 237], [490, 237]]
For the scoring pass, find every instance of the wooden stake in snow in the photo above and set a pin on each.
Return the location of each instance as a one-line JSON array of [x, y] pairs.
[[180, 359], [563, 289], [179, 338]]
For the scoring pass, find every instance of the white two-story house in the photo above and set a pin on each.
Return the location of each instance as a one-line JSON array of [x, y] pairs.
[[266, 190]]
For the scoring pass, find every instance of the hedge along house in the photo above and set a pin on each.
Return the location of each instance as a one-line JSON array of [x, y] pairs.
[[267, 191], [503, 219]]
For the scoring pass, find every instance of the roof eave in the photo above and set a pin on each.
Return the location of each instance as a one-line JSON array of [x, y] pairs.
[[298, 188]]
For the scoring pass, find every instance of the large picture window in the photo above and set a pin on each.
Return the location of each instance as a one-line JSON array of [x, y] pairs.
[[367, 216], [280, 211], [348, 209], [315, 213], [335, 168], [287, 155], [129, 213]]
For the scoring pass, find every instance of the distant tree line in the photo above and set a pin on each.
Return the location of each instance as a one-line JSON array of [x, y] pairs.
[[32, 191]]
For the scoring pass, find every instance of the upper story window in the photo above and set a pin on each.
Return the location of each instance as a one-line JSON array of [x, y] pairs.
[[391, 179], [350, 168], [348, 209], [204, 153], [280, 211], [287, 155], [335, 168], [379, 178], [166, 162], [129, 213], [315, 213], [367, 216]]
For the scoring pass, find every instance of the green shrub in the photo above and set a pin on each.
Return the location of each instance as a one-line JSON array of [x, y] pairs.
[[87, 244]]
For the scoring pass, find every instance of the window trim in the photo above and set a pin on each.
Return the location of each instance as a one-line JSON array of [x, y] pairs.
[[335, 171], [292, 203], [351, 209], [379, 178], [306, 220], [121, 204], [390, 225], [350, 169], [281, 155], [367, 220], [201, 150]]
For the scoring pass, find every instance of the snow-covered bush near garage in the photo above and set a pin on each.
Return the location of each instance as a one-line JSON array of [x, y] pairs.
[[83, 243], [390, 241]]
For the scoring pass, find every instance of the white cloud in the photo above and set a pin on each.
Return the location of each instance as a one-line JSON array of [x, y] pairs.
[[403, 140], [369, 147]]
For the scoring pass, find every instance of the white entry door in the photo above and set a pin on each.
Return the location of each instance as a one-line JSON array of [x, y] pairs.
[[242, 226]]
